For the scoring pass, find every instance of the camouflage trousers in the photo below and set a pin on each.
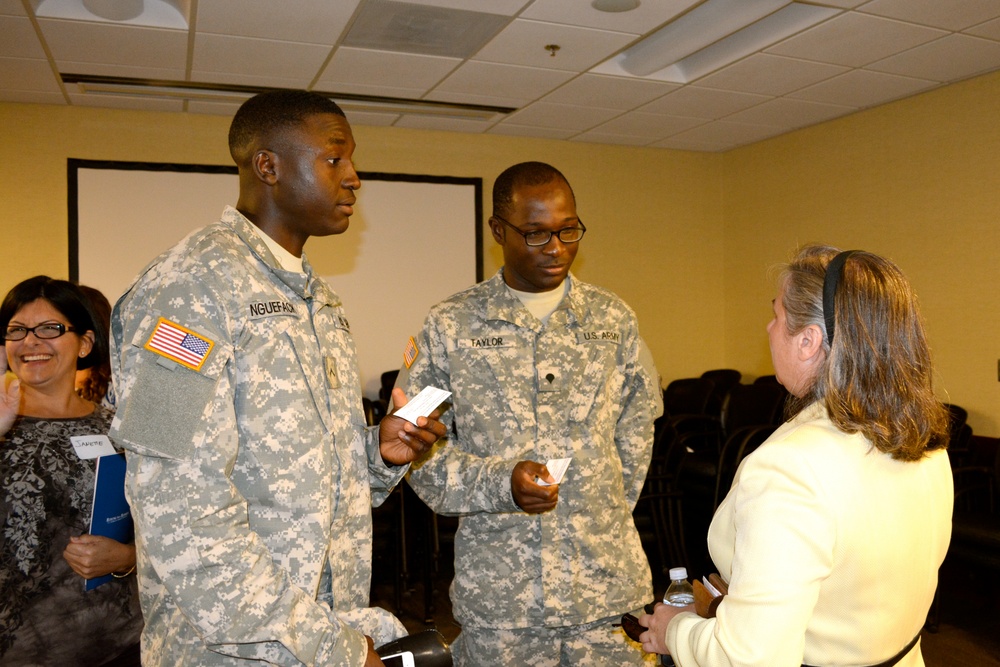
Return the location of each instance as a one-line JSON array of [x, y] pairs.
[[597, 644]]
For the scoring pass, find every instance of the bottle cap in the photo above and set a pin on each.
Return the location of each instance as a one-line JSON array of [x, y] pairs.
[[678, 573]]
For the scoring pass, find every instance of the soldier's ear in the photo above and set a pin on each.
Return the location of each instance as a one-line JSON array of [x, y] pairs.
[[265, 166]]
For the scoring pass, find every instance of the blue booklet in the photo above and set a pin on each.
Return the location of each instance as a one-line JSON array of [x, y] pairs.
[[111, 516]]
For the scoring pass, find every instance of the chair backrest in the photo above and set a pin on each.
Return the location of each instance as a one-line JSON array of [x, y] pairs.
[[723, 380], [388, 382], [752, 405], [687, 396]]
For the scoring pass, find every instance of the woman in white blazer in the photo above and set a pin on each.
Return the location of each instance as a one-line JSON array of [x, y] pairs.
[[832, 534]]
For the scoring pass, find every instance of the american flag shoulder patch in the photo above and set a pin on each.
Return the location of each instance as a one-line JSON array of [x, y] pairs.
[[179, 344], [410, 352]]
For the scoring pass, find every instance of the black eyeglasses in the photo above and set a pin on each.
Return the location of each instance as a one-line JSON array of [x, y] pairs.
[[540, 237], [42, 331]]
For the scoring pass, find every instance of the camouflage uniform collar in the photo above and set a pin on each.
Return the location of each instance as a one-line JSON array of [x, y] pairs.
[[502, 305], [307, 285]]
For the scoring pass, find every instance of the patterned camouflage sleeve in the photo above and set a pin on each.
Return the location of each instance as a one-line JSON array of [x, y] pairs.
[[452, 481], [196, 548]]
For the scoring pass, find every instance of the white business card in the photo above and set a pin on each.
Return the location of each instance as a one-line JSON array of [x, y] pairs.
[[422, 404], [557, 468]]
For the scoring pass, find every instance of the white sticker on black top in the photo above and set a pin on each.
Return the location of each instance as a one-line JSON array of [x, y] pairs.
[[92, 446]]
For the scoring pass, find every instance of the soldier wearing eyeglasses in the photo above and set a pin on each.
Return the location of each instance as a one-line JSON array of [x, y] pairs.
[[541, 366]]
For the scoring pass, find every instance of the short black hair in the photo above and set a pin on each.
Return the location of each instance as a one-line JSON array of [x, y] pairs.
[[71, 303], [265, 113], [523, 173]]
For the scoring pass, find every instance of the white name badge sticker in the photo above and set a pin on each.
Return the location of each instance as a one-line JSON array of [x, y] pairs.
[[92, 446]]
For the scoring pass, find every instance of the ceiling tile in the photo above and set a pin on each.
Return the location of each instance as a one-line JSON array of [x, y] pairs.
[[863, 88], [389, 69], [688, 145], [286, 60], [606, 138], [372, 118], [504, 7], [30, 97], [770, 75], [649, 125], [788, 113], [248, 79], [948, 14], [989, 30], [376, 91], [87, 42], [476, 98], [844, 4], [123, 102], [523, 43], [949, 58], [495, 80], [510, 129], [544, 114], [28, 74], [161, 73], [447, 124], [288, 20], [855, 40], [19, 38], [733, 134], [213, 108], [610, 92], [648, 15], [11, 8], [695, 102]]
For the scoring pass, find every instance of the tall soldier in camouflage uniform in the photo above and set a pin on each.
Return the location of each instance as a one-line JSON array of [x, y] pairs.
[[250, 470], [541, 366]]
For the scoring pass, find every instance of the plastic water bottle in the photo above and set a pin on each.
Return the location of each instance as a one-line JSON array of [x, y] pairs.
[[679, 592]]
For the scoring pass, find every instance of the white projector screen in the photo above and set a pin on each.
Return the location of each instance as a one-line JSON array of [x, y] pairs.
[[413, 240]]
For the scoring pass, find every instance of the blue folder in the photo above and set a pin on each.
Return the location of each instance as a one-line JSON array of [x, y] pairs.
[[111, 517]]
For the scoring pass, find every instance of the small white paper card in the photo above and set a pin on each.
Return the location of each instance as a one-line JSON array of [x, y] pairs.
[[557, 468], [92, 446], [710, 588], [422, 404]]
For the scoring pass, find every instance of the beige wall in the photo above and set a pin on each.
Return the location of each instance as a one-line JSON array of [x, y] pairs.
[[685, 238], [917, 181]]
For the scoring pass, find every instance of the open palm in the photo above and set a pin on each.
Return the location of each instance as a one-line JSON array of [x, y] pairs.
[[10, 397]]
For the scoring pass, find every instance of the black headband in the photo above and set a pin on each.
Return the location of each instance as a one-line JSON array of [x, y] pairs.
[[834, 272]]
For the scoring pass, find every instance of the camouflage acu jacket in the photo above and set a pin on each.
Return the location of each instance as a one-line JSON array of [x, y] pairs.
[[250, 468], [582, 386]]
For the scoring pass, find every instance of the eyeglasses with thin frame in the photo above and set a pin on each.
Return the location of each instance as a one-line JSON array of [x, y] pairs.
[[540, 237], [46, 331]]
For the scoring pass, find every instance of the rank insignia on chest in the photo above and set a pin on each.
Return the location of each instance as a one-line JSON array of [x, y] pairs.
[[330, 365], [179, 344], [410, 352]]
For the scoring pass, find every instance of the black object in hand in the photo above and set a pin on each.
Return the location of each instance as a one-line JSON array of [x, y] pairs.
[[428, 647], [630, 624]]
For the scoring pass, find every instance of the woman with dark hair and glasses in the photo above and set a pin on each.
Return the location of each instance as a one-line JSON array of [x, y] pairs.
[[831, 536], [46, 491]]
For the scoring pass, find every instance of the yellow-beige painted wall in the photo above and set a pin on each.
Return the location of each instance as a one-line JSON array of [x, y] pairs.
[[918, 181]]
